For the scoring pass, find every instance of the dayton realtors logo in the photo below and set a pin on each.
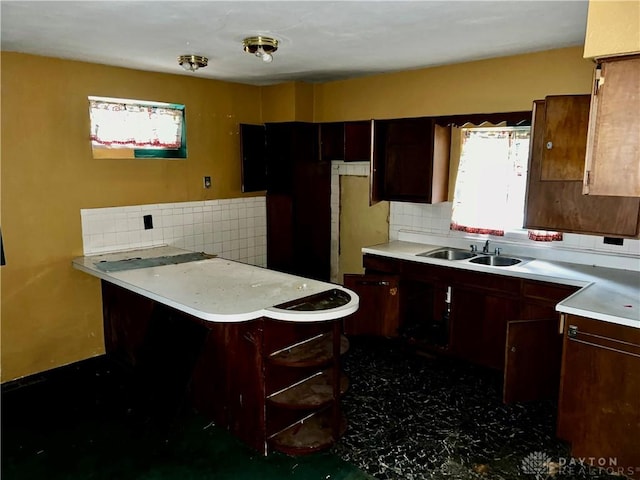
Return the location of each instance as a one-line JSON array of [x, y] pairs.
[[537, 463], [541, 465]]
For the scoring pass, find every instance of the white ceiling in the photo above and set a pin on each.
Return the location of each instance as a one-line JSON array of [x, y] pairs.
[[319, 40]]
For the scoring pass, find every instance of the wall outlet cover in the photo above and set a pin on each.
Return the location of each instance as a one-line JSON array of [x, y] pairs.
[[613, 241]]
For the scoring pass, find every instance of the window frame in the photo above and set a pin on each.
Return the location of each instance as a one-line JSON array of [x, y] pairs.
[[494, 230], [143, 153]]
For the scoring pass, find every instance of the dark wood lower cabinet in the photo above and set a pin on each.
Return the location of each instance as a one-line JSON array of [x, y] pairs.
[[501, 322], [275, 385], [599, 408], [379, 305], [532, 357]]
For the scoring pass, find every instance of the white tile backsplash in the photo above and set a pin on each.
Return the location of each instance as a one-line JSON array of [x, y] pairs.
[[432, 221], [230, 228]]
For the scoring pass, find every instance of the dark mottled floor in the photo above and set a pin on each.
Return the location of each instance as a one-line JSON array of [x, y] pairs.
[[414, 416], [93, 421], [410, 417]]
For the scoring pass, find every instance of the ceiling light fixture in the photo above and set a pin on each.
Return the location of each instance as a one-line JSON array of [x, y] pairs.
[[261, 47], [191, 63]]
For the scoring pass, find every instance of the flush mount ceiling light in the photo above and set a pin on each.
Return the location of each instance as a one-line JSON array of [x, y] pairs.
[[261, 47], [191, 63]]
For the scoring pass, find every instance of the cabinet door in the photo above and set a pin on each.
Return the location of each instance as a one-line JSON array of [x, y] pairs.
[[254, 157], [553, 203], [532, 360], [613, 146], [357, 141], [565, 137], [348, 141], [410, 160], [288, 143], [598, 411], [379, 311], [331, 141]]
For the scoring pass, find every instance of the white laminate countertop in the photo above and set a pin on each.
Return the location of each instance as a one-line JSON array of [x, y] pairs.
[[608, 294], [216, 289]]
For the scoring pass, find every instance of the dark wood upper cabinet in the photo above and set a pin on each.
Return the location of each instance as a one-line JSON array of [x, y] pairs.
[[613, 145], [253, 152], [331, 141], [357, 141], [565, 134], [288, 143], [348, 141], [554, 199], [410, 160]]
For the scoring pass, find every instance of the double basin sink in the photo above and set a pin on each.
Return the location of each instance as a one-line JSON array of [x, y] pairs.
[[453, 254]]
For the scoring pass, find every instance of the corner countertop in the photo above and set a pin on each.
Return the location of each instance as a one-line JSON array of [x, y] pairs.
[[607, 294], [216, 289]]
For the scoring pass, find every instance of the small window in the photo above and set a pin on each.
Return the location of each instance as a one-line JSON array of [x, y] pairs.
[[492, 180], [122, 128]]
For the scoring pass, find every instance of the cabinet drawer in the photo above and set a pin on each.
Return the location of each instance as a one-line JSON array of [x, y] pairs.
[[426, 272], [487, 282], [381, 264]]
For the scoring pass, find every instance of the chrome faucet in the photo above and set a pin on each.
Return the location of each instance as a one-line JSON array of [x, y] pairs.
[[485, 249]]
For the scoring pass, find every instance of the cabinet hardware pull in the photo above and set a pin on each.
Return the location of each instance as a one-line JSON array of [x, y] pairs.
[[573, 331], [393, 291], [549, 145]]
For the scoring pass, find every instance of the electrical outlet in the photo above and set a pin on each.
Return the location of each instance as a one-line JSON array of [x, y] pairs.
[[206, 181], [613, 241]]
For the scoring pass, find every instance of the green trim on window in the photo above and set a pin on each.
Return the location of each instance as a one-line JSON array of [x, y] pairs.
[[167, 153]]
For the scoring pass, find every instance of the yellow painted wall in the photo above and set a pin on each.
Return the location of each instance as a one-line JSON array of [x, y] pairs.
[[288, 102], [279, 103], [613, 28], [495, 85], [51, 313]]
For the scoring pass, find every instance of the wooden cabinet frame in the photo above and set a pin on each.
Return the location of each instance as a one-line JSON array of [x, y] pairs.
[[273, 384], [554, 199], [599, 409], [502, 322], [612, 164]]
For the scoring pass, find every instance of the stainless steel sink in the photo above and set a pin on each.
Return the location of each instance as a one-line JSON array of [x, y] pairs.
[[448, 254], [495, 260]]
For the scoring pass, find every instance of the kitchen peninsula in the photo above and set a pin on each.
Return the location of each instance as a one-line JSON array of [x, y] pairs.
[[259, 350]]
